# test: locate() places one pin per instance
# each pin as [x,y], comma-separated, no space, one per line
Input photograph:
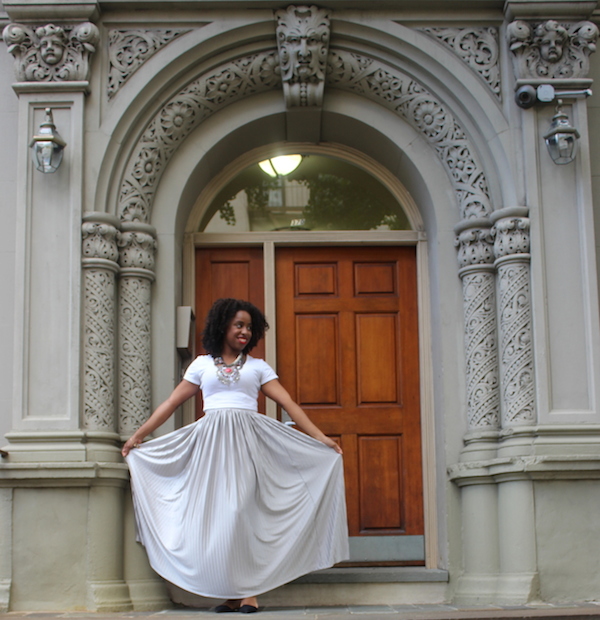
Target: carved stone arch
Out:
[250,75]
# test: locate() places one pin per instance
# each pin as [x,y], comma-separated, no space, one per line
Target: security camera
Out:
[526,96]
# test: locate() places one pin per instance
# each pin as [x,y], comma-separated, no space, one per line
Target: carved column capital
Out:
[51,53]
[137,247]
[99,241]
[550,49]
[475,243]
[303,46]
[511,232]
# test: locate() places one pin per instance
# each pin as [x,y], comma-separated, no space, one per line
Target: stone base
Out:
[149,595]
[474,590]
[518,589]
[4,595]
[109,596]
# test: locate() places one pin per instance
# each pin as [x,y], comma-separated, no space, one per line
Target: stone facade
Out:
[97,256]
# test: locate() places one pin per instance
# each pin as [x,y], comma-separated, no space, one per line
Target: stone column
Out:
[518,580]
[137,243]
[478,497]
[511,249]
[476,257]
[100,254]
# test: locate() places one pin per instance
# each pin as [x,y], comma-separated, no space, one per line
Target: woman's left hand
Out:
[332,444]
[274,390]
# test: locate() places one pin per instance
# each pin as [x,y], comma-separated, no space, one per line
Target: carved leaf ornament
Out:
[477,47]
[129,49]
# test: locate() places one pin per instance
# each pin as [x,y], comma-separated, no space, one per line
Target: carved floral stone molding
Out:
[51,53]
[303,42]
[175,121]
[550,49]
[477,47]
[130,49]
[409,99]
[260,73]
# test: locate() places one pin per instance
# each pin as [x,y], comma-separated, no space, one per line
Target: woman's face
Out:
[238,333]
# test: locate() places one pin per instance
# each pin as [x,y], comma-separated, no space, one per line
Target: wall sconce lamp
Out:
[561,139]
[47,146]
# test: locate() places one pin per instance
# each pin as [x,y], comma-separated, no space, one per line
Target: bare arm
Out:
[161,414]
[274,390]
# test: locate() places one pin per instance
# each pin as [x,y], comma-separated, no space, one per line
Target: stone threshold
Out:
[376,574]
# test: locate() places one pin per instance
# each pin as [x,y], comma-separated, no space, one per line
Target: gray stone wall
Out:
[8,198]
[593,104]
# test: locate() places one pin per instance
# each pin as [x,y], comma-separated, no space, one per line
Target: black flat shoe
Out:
[248,609]
[225,609]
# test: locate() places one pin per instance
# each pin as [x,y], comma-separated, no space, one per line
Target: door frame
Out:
[269,242]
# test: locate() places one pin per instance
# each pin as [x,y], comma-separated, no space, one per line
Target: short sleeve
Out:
[194,371]
[267,373]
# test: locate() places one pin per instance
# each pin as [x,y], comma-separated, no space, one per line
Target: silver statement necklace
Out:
[229,373]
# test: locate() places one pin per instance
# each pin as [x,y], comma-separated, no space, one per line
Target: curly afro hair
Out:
[219,318]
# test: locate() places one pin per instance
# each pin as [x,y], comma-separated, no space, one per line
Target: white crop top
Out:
[242,394]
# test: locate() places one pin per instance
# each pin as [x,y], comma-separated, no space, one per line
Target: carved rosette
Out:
[551,50]
[476,256]
[99,259]
[303,43]
[128,50]
[476,47]
[51,53]
[137,245]
[511,248]
[261,73]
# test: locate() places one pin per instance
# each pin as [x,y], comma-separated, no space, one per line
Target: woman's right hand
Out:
[128,446]
[161,414]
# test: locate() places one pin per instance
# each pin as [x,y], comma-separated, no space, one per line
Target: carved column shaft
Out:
[475,256]
[99,258]
[511,249]
[137,245]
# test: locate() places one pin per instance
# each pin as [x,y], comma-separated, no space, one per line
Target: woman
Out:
[237,503]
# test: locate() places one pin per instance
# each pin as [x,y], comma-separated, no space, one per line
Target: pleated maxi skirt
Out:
[237,504]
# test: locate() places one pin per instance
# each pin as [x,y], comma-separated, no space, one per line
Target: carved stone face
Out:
[52,44]
[551,39]
[303,35]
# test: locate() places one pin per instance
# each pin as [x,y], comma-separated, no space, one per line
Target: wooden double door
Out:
[347,351]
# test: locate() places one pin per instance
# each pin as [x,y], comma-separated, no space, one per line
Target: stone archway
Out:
[370,77]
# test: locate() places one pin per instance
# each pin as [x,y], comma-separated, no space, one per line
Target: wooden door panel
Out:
[317,366]
[228,272]
[379,464]
[375,278]
[315,279]
[377,359]
[348,353]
